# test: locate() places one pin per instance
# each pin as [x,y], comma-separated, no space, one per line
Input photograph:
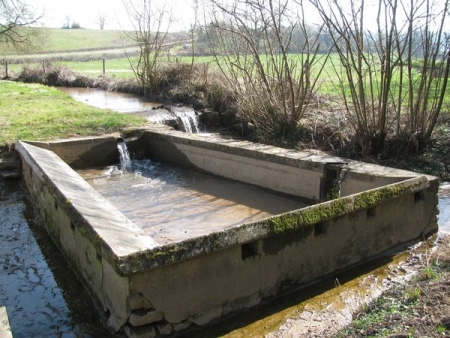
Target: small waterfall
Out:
[188,121]
[125,161]
[182,118]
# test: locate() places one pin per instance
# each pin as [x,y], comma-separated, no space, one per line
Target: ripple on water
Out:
[38,301]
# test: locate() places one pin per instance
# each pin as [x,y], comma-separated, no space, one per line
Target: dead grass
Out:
[419,308]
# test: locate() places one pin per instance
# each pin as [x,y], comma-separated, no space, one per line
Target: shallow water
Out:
[42,296]
[184,118]
[120,102]
[173,204]
[444,208]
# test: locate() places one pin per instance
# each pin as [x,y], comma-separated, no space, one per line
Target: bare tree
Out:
[150,27]
[272,76]
[16,24]
[102,20]
[427,74]
[66,24]
[387,72]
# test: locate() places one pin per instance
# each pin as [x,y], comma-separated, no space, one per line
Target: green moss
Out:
[138,261]
[369,198]
[83,231]
[307,216]
[340,206]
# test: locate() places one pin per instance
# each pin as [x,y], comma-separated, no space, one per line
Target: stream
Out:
[183,118]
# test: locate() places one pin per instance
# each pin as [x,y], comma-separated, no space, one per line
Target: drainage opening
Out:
[371,213]
[320,229]
[249,250]
[419,196]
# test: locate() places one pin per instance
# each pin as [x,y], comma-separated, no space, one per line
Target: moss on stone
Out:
[141,260]
[337,207]
[307,216]
[369,198]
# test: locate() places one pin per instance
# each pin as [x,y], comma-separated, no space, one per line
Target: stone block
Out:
[5,329]
[182,326]
[165,328]
[147,331]
[144,317]
[138,301]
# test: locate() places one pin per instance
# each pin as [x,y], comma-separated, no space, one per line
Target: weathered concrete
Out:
[152,289]
[5,329]
[84,152]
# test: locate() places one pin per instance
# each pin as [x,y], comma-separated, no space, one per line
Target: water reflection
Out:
[120,102]
[183,118]
[43,298]
[444,208]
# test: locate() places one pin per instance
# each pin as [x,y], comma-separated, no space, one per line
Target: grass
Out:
[63,40]
[36,112]
[419,308]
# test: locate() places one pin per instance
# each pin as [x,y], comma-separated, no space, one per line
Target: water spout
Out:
[124,155]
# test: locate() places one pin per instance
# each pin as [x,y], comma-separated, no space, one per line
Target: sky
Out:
[87,12]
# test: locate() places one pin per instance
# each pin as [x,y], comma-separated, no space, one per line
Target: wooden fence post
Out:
[6,68]
[104,66]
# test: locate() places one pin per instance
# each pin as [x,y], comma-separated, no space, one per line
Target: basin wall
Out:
[150,289]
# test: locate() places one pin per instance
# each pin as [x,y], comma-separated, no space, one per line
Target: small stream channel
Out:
[43,297]
[182,118]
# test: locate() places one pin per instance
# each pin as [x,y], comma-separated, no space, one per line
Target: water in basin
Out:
[173,204]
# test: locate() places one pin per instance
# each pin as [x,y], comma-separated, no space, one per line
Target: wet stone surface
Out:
[41,294]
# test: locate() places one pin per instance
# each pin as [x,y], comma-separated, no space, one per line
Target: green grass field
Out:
[69,42]
[37,112]
[58,40]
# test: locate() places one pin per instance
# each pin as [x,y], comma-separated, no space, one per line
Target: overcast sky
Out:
[86,12]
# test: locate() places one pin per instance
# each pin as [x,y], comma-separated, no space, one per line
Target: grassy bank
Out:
[36,112]
[420,308]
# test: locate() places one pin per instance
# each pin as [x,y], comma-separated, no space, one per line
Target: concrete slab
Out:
[5,329]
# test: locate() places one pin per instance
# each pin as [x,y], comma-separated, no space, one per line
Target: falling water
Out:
[188,121]
[125,161]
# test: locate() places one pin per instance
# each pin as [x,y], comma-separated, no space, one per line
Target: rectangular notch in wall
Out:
[419,196]
[371,213]
[249,250]
[320,229]
[329,184]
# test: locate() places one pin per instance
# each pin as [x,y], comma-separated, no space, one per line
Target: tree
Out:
[66,24]
[75,25]
[270,59]
[102,20]
[150,27]
[392,77]
[16,24]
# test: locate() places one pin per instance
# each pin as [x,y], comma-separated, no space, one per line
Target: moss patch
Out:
[307,216]
[340,206]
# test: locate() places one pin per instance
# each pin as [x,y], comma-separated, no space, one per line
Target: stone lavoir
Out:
[153,281]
